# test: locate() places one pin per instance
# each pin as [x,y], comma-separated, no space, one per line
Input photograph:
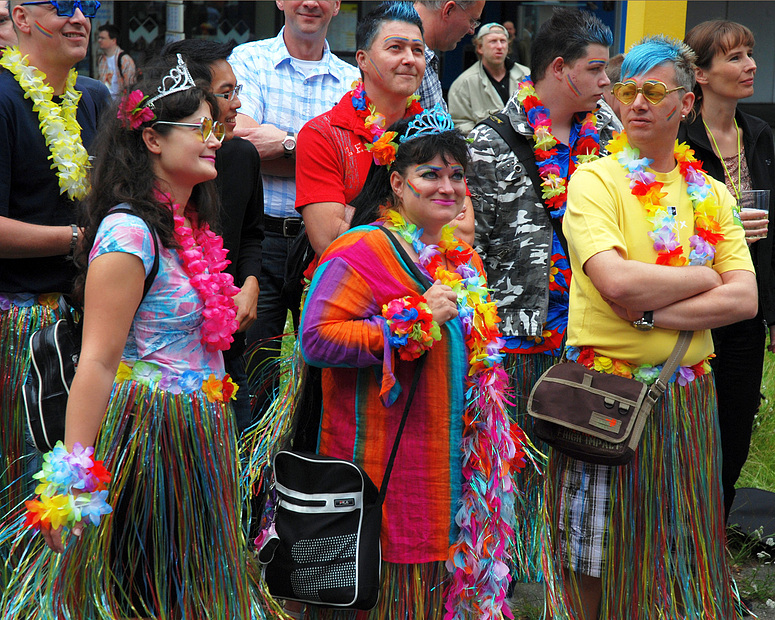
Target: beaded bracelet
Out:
[72,488]
[412,327]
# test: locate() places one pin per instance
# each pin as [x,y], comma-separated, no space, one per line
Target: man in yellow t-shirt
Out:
[643,270]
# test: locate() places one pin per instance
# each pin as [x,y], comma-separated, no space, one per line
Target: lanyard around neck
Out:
[739,187]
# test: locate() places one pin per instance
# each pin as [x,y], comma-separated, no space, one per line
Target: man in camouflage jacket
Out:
[527,269]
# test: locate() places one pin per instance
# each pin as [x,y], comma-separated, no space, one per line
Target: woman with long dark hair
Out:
[150,393]
[375,306]
[736,148]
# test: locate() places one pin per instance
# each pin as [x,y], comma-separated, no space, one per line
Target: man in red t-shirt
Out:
[331,156]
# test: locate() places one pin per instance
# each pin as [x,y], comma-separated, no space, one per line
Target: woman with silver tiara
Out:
[150,393]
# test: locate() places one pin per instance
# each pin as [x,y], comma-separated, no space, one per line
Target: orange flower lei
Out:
[491,446]
[648,190]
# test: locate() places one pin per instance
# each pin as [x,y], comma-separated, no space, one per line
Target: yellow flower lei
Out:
[58,123]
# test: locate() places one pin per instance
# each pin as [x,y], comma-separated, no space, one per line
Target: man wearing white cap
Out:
[485,87]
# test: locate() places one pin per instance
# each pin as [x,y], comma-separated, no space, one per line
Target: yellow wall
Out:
[654,17]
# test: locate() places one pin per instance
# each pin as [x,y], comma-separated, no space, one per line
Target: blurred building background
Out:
[146,25]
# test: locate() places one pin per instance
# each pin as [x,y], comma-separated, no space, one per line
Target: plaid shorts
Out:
[584,504]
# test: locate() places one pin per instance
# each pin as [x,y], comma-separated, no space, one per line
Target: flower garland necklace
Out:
[585,149]
[491,445]
[58,123]
[374,122]
[647,189]
[204,259]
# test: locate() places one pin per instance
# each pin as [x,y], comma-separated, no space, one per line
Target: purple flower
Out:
[664,239]
[93,505]
[684,375]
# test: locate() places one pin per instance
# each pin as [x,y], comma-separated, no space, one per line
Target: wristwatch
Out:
[646,322]
[289,144]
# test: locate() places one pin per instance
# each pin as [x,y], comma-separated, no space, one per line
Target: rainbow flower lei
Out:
[383,145]
[58,123]
[62,475]
[150,374]
[491,444]
[204,259]
[645,373]
[413,330]
[585,149]
[647,189]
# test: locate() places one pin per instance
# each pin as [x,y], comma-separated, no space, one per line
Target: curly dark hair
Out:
[376,192]
[123,171]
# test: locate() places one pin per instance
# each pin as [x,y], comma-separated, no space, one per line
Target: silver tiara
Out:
[429,122]
[177,80]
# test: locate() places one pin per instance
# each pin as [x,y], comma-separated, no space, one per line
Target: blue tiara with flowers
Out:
[429,122]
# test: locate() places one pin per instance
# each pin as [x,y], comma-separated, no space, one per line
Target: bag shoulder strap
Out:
[518,143]
[388,470]
[659,386]
[423,279]
[155,267]
[118,64]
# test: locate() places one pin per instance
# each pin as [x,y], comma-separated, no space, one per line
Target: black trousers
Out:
[737,368]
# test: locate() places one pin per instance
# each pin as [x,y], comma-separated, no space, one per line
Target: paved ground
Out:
[756,582]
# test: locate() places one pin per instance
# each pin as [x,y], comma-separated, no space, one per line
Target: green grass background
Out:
[759,469]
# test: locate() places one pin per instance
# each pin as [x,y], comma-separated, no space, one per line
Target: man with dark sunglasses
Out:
[42,179]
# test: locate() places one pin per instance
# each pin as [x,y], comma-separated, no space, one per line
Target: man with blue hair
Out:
[546,128]
[655,249]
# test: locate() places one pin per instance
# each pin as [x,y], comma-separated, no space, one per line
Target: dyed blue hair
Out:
[567,34]
[385,12]
[658,50]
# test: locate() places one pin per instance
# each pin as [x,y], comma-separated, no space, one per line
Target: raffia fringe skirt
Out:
[658,533]
[174,547]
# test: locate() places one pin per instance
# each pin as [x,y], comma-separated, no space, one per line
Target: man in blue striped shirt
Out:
[286,81]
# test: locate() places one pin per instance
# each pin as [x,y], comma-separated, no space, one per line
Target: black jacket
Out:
[242,216]
[760,156]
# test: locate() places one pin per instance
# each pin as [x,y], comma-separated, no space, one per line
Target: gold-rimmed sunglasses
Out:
[653,90]
[206,126]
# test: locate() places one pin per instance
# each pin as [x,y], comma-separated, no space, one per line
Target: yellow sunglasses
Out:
[206,127]
[653,90]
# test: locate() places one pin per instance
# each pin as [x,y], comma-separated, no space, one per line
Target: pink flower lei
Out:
[204,259]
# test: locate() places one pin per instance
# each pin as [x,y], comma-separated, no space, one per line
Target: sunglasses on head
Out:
[66,8]
[206,126]
[653,90]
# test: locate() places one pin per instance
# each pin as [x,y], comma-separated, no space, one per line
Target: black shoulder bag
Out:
[327,517]
[54,352]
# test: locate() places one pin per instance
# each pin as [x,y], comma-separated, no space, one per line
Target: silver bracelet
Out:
[73,241]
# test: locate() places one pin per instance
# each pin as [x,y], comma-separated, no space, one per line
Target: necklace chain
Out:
[739,187]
